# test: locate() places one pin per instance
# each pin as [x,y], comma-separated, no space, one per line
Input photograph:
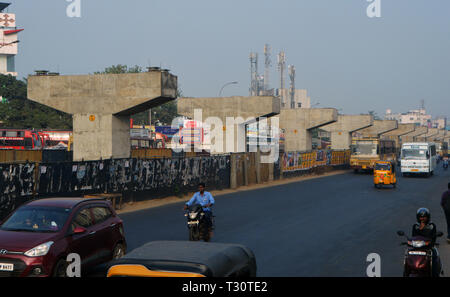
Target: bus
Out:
[367,151]
[418,158]
[20,139]
[53,138]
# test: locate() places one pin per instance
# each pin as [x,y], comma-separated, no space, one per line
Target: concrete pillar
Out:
[341,131]
[427,137]
[378,128]
[442,133]
[101,106]
[397,134]
[298,124]
[237,111]
[412,137]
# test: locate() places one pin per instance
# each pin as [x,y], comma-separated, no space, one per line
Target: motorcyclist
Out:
[206,200]
[425,228]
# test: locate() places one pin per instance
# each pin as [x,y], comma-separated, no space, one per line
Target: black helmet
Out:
[423,212]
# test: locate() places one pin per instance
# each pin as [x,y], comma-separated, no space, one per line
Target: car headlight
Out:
[418,243]
[193,215]
[40,250]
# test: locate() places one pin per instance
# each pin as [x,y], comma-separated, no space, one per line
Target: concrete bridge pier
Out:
[398,133]
[412,136]
[429,136]
[101,106]
[378,128]
[298,124]
[341,131]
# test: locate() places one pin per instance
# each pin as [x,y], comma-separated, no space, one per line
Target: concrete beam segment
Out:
[412,137]
[298,124]
[378,128]
[101,106]
[236,106]
[236,111]
[440,136]
[432,132]
[124,94]
[341,131]
[397,134]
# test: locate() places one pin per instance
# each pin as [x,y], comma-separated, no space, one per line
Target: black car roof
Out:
[208,259]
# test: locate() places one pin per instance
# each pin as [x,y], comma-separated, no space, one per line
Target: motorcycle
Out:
[197,224]
[418,256]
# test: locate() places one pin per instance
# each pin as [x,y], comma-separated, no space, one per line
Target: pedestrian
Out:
[445,203]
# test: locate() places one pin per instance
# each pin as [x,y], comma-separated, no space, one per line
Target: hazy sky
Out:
[343,58]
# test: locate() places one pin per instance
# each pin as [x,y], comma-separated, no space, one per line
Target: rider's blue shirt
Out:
[204,199]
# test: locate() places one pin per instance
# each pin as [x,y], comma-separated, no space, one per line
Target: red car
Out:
[36,239]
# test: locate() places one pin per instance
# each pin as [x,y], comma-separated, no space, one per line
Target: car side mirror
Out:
[400,233]
[439,234]
[79,230]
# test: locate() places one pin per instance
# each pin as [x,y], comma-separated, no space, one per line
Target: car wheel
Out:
[119,251]
[60,269]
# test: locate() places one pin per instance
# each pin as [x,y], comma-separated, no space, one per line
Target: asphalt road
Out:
[320,227]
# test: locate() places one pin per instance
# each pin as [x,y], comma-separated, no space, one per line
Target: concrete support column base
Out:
[101,136]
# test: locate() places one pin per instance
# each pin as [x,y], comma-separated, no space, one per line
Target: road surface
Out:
[319,227]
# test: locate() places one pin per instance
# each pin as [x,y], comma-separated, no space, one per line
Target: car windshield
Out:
[365,148]
[37,219]
[383,167]
[414,154]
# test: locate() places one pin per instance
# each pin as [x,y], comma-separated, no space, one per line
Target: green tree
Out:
[16,111]
[164,113]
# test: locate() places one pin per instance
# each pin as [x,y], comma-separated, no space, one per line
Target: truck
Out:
[366,151]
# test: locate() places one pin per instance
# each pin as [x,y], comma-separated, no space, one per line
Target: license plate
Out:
[6,267]
[364,167]
[193,223]
[418,253]
[415,170]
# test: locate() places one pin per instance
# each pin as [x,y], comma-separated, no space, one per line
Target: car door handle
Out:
[112,225]
[92,233]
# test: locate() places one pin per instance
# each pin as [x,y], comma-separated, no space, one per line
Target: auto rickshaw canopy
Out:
[182,259]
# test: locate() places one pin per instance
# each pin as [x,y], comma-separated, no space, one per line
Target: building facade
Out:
[8,41]
[417,116]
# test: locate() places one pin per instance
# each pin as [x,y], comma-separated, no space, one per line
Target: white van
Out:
[418,157]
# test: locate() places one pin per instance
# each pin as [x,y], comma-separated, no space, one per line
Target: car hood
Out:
[23,241]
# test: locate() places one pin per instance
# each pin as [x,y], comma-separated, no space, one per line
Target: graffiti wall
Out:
[20,182]
[16,181]
[133,175]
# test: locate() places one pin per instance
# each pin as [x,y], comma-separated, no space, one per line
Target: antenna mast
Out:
[291,70]
[282,69]
[254,74]
[267,63]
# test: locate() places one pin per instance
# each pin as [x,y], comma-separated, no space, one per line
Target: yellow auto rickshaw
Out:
[181,259]
[384,174]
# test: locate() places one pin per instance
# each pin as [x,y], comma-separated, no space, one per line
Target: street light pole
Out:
[227,84]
